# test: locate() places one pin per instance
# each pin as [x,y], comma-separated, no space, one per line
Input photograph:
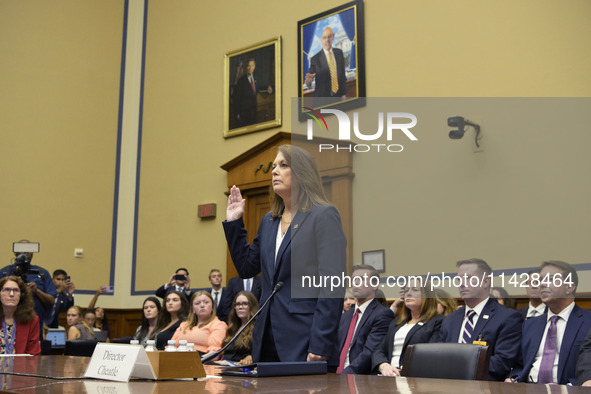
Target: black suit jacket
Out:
[584,360]
[499,327]
[319,66]
[222,311]
[162,292]
[422,332]
[370,331]
[245,101]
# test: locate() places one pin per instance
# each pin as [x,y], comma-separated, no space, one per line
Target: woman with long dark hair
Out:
[243,309]
[174,312]
[150,311]
[20,324]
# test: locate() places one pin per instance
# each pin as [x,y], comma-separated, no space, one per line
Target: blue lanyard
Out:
[9,344]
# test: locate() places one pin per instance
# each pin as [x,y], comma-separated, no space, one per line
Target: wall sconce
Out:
[460,123]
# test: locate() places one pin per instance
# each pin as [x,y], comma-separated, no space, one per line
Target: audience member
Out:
[179,281]
[37,280]
[82,329]
[502,297]
[222,300]
[147,330]
[363,326]
[65,296]
[398,302]
[483,320]
[349,300]
[101,323]
[446,304]
[292,329]
[174,312]
[419,322]
[202,327]
[244,307]
[535,307]
[235,286]
[73,316]
[381,298]
[20,325]
[551,342]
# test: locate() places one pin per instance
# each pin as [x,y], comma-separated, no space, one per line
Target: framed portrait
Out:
[375,258]
[331,60]
[252,88]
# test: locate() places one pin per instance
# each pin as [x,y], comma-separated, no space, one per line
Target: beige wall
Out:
[413,49]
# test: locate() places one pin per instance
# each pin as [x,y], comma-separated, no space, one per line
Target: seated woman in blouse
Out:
[418,323]
[243,309]
[174,312]
[20,324]
[202,327]
[147,330]
[79,327]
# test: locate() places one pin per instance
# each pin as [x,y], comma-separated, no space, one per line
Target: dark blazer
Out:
[222,311]
[319,66]
[584,360]
[524,310]
[501,332]
[27,338]
[422,332]
[314,245]
[577,326]
[162,292]
[370,331]
[63,302]
[245,101]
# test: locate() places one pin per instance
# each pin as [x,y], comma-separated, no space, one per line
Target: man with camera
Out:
[65,296]
[179,281]
[36,278]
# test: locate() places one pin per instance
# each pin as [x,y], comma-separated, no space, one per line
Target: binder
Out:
[264,369]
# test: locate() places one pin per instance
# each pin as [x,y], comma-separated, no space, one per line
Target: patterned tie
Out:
[533,313]
[348,341]
[215,298]
[334,82]
[547,364]
[469,327]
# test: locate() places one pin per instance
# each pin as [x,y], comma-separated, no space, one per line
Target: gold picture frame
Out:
[252,104]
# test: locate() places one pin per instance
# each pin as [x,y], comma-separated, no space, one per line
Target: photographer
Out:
[64,299]
[179,281]
[37,279]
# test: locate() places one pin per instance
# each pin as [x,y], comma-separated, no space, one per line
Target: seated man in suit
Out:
[535,307]
[179,281]
[551,342]
[483,320]
[363,326]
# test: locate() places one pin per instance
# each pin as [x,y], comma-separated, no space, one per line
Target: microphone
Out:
[210,356]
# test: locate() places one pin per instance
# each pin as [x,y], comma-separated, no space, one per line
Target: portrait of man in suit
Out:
[328,68]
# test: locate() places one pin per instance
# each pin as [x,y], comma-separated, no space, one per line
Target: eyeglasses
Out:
[239,304]
[8,291]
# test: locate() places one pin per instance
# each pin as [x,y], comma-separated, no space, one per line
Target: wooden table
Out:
[69,366]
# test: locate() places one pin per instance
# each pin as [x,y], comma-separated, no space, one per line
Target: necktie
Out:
[533,313]
[247,284]
[334,82]
[215,298]
[347,345]
[252,84]
[469,327]
[547,364]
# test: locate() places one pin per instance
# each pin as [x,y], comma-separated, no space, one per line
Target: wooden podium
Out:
[176,365]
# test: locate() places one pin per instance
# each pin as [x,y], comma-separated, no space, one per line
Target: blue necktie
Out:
[469,327]
[247,284]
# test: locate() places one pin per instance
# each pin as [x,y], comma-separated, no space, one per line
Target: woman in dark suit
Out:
[20,325]
[303,232]
[418,323]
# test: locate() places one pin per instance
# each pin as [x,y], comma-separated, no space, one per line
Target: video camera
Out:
[22,262]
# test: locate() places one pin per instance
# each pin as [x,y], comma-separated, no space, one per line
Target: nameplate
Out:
[118,362]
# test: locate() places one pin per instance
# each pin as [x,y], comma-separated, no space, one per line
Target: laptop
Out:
[57,337]
[101,336]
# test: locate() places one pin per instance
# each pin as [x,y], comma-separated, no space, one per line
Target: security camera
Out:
[460,123]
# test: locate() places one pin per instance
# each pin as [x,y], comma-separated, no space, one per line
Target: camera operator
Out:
[179,281]
[64,299]
[37,280]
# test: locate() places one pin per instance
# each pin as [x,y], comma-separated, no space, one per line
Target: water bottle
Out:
[182,346]
[150,345]
[134,342]
[191,347]
[171,347]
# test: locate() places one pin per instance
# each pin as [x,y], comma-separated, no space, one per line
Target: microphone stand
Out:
[210,356]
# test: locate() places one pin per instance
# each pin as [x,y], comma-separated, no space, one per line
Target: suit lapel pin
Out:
[485,317]
[420,323]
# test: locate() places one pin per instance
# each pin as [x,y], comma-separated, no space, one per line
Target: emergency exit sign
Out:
[206,211]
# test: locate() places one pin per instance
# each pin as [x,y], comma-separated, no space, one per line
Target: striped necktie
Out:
[469,327]
[334,82]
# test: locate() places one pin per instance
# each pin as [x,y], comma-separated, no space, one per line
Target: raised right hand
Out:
[236,203]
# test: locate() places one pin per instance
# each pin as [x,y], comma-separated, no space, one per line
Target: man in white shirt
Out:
[535,307]
[551,342]
[483,321]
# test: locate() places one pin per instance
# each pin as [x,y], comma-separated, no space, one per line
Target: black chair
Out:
[122,340]
[80,347]
[446,361]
